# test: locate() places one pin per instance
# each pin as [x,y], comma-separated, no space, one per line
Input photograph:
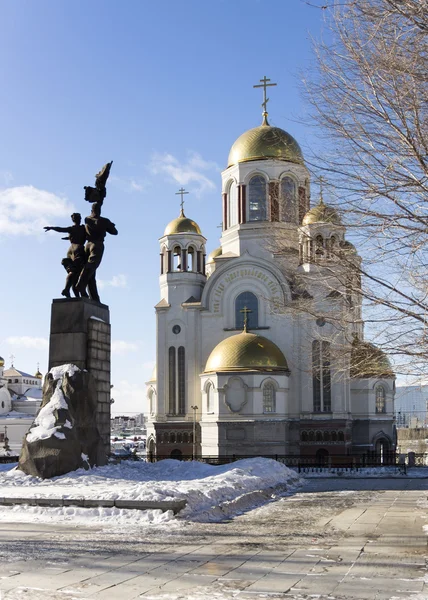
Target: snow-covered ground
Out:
[212,492]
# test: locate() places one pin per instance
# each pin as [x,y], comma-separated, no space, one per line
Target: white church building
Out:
[260,347]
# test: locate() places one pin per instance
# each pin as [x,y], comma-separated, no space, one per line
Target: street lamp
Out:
[194,408]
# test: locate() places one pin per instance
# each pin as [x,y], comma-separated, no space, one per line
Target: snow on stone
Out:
[212,492]
[44,424]
[61,370]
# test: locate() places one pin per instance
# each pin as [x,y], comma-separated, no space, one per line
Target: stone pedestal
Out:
[80,334]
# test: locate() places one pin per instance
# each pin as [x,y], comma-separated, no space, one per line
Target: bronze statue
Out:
[83,261]
[75,260]
[97,228]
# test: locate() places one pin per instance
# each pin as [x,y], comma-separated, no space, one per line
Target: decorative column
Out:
[224,212]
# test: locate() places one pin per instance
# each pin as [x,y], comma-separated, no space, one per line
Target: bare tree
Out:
[369,94]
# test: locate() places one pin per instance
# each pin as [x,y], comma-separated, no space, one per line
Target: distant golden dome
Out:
[182,225]
[321,213]
[217,252]
[1,361]
[265,142]
[246,352]
[368,361]
[38,375]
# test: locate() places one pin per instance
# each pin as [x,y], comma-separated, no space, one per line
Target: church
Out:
[260,346]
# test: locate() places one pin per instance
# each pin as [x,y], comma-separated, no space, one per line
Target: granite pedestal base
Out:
[80,334]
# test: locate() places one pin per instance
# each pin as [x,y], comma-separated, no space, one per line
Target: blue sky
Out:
[161,88]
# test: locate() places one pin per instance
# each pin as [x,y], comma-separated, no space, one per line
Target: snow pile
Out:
[44,424]
[212,492]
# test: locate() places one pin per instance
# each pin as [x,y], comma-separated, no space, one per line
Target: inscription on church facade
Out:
[232,276]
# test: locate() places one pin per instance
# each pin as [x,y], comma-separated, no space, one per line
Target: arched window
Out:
[321,376]
[311,436]
[179,438]
[257,200]
[288,200]
[269,398]
[319,246]
[380,399]
[151,402]
[181,381]
[232,217]
[191,259]
[319,436]
[172,380]
[304,436]
[334,436]
[172,438]
[177,258]
[185,438]
[326,436]
[209,399]
[341,436]
[249,300]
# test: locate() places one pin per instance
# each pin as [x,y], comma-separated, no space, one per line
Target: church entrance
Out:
[322,457]
[383,451]
[176,454]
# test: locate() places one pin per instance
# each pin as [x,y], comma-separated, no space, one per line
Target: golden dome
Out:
[246,352]
[217,252]
[265,142]
[1,361]
[321,213]
[182,225]
[154,374]
[38,375]
[368,361]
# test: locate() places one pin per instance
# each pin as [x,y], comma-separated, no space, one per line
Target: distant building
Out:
[20,399]
[411,404]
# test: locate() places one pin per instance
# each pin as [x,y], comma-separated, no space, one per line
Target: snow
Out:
[97,319]
[60,371]
[213,493]
[367,473]
[44,424]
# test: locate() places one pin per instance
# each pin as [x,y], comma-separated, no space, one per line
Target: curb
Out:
[175,506]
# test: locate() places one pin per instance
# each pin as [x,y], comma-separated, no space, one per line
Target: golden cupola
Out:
[182,225]
[322,213]
[1,361]
[246,352]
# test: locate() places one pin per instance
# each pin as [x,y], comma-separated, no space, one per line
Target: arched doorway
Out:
[322,457]
[176,454]
[383,451]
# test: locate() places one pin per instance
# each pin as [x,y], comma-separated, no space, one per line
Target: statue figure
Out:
[99,192]
[96,228]
[76,257]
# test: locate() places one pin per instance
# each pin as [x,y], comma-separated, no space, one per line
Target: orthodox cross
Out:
[12,358]
[246,312]
[264,84]
[182,192]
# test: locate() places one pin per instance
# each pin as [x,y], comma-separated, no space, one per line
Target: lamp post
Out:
[194,408]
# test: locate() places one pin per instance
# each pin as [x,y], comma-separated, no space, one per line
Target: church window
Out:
[334,436]
[257,199]
[232,218]
[380,399]
[288,200]
[321,376]
[319,246]
[2,404]
[319,436]
[248,300]
[311,436]
[179,438]
[151,402]
[185,438]
[326,436]
[172,380]
[181,381]
[304,436]
[172,438]
[269,398]
[341,436]
[177,258]
[209,399]
[191,259]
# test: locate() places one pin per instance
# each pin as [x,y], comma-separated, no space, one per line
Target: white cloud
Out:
[117,281]
[25,210]
[128,397]
[122,347]
[191,171]
[130,184]
[28,342]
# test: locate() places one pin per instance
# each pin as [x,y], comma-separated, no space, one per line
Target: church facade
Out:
[260,345]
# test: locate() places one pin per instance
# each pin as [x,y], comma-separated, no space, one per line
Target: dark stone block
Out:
[55,456]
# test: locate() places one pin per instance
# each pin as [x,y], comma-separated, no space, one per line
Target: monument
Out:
[80,337]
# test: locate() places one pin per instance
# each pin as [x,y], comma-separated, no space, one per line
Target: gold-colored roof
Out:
[38,375]
[246,352]
[321,213]
[154,374]
[265,142]
[182,225]
[368,361]
[1,361]
[217,252]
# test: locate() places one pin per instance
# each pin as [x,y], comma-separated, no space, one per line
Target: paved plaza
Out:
[333,538]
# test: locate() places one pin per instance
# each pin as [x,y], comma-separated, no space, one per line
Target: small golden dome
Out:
[246,352]
[368,361]
[1,361]
[321,213]
[38,375]
[182,225]
[217,252]
[265,142]
[154,374]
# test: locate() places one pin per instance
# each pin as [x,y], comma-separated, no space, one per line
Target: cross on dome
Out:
[246,312]
[12,358]
[181,192]
[264,84]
